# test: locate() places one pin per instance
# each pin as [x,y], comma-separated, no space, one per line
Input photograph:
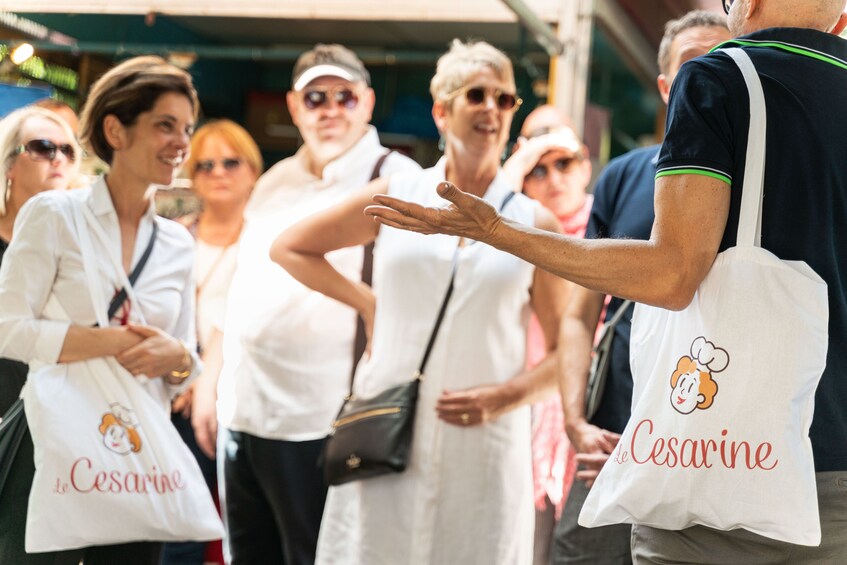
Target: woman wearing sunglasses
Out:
[138,119]
[39,153]
[223,166]
[467,495]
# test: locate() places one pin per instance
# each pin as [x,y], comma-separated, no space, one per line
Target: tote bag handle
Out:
[750,219]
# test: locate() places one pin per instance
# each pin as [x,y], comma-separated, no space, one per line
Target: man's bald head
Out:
[545,119]
[747,16]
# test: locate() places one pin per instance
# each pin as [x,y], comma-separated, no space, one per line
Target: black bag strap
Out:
[610,325]
[446,300]
[438,320]
[361,339]
[120,298]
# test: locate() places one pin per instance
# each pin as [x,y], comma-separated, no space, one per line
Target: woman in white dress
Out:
[467,494]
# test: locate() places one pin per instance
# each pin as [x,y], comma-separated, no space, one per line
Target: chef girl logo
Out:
[119,430]
[692,382]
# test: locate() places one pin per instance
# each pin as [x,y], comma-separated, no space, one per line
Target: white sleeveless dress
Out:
[467,496]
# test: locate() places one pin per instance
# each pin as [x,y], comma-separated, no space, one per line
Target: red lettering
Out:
[760,459]
[100,482]
[635,436]
[178,482]
[704,447]
[75,476]
[85,479]
[673,451]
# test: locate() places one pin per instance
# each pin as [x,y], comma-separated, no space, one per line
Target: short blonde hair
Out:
[234,135]
[126,91]
[464,60]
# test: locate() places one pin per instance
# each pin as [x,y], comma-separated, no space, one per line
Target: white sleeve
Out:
[29,269]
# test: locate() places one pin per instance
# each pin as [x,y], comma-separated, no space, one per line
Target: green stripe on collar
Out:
[692,171]
[790,47]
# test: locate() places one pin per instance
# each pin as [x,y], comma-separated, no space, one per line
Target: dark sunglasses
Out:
[727,4]
[475,95]
[316,97]
[44,149]
[540,172]
[208,165]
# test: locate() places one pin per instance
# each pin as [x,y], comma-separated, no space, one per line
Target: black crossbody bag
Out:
[373,436]
[599,371]
[13,426]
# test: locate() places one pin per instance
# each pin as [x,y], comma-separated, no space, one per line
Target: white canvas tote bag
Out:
[724,390]
[110,467]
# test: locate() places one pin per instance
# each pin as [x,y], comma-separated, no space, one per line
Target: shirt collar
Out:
[101,200]
[799,41]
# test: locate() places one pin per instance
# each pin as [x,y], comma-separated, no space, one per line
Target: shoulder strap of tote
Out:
[86,222]
[750,219]
[120,298]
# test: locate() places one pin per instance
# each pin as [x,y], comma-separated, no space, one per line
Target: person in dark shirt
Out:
[623,208]
[803,70]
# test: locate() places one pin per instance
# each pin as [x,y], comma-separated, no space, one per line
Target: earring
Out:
[442,143]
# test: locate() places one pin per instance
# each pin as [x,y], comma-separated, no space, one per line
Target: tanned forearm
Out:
[83,343]
[576,340]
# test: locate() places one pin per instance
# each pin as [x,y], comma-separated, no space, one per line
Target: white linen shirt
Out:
[43,287]
[287,349]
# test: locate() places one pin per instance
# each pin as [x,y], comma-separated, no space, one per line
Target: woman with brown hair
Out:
[138,119]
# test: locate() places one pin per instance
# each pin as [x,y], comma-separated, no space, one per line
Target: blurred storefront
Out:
[595,58]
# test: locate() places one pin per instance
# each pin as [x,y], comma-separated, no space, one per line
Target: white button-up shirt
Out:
[288,350]
[43,287]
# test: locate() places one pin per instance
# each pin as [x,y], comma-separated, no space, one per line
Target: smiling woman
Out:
[467,494]
[138,119]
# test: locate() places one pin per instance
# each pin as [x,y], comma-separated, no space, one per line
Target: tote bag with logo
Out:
[110,467]
[724,390]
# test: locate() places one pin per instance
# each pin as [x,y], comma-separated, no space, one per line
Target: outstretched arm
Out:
[691,214]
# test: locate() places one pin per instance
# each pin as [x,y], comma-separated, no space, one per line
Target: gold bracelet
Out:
[186,362]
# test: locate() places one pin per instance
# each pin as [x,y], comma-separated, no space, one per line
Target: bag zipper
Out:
[366,414]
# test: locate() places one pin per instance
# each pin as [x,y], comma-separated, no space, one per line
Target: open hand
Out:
[466,216]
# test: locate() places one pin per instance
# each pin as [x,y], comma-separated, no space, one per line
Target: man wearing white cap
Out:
[288,351]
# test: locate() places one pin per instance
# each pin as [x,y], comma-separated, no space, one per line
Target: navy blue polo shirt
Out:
[623,208]
[804,77]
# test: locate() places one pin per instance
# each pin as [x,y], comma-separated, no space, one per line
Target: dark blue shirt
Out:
[623,208]
[804,77]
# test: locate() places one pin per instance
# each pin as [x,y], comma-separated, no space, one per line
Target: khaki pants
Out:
[705,546]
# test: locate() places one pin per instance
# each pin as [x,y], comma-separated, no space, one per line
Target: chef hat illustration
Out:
[124,414]
[709,357]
